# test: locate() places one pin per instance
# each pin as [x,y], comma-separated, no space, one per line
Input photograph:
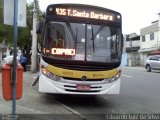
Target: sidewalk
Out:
[134,67]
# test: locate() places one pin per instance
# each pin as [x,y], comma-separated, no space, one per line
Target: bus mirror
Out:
[39,27]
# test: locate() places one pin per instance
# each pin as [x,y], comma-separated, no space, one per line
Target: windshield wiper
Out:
[98,31]
[76,39]
[93,40]
[74,36]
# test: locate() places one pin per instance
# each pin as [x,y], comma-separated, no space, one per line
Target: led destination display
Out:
[84,12]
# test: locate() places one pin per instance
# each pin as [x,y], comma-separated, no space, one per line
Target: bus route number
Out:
[60,11]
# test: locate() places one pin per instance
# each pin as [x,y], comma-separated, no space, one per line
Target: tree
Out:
[1,11]
[25,37]
[24,34]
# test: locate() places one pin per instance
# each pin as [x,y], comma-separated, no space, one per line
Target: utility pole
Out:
[14,71]
[34,40]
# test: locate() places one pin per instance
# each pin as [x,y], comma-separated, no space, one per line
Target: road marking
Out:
[121,110]
[127,76]
[116,109]
[73,111]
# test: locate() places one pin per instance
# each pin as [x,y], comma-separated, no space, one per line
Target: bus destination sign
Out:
[83,13]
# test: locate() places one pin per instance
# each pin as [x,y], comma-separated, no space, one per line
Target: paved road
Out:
[140,93]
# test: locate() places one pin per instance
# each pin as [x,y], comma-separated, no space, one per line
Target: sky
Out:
[136,14]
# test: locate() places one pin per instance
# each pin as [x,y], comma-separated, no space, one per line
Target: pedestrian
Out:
[23,61]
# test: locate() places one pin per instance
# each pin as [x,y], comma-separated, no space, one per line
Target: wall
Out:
[124,59]
[143,58]
[148,44]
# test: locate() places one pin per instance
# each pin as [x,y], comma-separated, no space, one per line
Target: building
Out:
[131,45]
[149,40]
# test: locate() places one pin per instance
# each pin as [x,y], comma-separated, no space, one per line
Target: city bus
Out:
[81,50]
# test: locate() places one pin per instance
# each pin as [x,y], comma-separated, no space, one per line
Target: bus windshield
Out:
[82,42]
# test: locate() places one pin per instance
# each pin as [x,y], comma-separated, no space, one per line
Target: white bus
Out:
[81,51]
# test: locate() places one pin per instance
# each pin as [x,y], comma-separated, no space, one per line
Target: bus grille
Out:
[82,91]
[78,79]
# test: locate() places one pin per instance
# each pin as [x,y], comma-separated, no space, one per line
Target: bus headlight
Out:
[114,78]
[49,74]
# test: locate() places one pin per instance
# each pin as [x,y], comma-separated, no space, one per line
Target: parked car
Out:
[152,63]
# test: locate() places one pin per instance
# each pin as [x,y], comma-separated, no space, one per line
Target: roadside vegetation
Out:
[24,41]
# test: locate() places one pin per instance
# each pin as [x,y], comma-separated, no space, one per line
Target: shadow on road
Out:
[80,100]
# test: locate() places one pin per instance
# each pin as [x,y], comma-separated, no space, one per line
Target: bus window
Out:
[55,36]
[98,47]
[59,40]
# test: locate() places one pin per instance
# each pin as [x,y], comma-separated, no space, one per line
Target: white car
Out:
[152,63]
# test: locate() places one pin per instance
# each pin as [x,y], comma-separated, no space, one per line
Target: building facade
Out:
[130,49]
[149,41]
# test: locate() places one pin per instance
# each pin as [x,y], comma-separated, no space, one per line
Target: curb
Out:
[137,68]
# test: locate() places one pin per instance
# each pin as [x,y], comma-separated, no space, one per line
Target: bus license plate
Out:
[83,87]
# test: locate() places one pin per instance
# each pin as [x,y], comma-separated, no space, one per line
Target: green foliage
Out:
[1,11]
[24,33]
[6,32]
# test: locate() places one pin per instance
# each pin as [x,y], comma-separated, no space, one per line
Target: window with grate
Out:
[143,39]
[151,36]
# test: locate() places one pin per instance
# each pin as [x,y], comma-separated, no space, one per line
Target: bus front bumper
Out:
[63,86]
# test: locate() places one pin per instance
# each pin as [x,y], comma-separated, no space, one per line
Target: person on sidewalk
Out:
[23,61]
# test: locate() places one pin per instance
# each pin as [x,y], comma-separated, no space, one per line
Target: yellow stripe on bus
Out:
[79,74]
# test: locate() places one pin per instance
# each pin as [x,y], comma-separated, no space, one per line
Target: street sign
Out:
[9,12]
